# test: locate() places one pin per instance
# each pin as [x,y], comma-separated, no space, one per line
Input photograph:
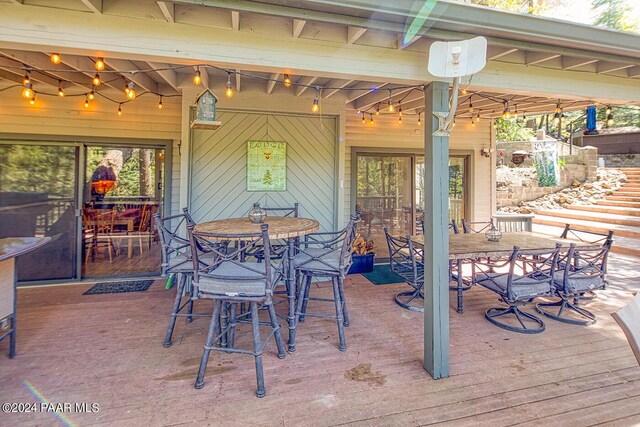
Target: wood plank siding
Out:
[388,134]
[219,166]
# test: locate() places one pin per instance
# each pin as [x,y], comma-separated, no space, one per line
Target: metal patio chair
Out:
[580,270]
[628,318]
[477,226]
[325,255]
[227,279]
[525,276]
[292,212]
[176,261]
[404,261]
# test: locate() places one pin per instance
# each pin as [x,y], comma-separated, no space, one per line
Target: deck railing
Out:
[510,223]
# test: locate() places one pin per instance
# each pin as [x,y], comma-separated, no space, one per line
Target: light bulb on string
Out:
[390,102]
[371,119]
[86,101]
[515,113]
[470,106]
[91,95]
[160,103]
[119,109]
[478,117]
[454,123]
[131,94]
[524,115]
[473,123]
[32,101]
[96,80]
[378,109]
[287,80]
[27,92]
[55,58]
[399,119]
[229,91]
[608,110]
[60,91]
[556,118]
[400,109]
[419,119]
[99,64]
[463,91]
[316,105]
[27,79]
[363,119]
[197,77]
[557,107]
[506,114]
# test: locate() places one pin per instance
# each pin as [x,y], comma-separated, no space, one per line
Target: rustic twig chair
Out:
[325,255]
[580,270]
[404,261]
[525,276]
[228,280]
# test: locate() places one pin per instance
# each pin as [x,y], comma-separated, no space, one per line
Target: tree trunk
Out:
[146,187]
[108,169]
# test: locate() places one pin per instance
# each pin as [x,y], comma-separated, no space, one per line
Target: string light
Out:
[86,102]
[160,103]
[473,124]
[363,119]
[27,92]
[470,105]
[229,91]
[378,109]
[399,119]
[99,64]
[556,115]
[55,58]
[506,114]
[419,119]
[454,123]
[92,95]
[399,109]
[120,109]
[463,91]
[316,105]
[60,91]
[287,80]
[131,93]
[478,117]
[558,107]
[515,113]
[390,102]
[27,79]
[96,80]
[32,101]
[608,110]
[524,115]
[371,119]
[197,78]
[609,119]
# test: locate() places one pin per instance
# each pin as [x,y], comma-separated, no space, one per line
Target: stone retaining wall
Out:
[621,160]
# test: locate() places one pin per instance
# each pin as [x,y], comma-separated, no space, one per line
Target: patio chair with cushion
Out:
[290,212]
[406,261]
[325,255]
[628,318]
[176,261]
[579,271]
[525,276]
[224,277]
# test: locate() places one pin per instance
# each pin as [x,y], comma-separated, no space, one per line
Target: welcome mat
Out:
[382,275]
[119,287]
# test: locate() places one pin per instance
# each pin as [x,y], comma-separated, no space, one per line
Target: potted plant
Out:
[362,256]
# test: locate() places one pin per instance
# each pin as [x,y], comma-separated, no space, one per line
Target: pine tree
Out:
[615,15]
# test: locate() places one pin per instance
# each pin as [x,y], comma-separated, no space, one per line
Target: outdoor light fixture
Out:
[92,95]
[473,124]
[55,58]
[131,93]
[160,103]
[99,64]
[96,80]
[419,119]
[86,101]
[27,92]
[33,99]
[229,91]
[400,109]
[119,109]
[478,117]
[316,105]
[363,119]
[390,104]
[378,109]
[470,106]
[400,120]
[60,91]
[27,79]
[287,80]
[197,78]
[371,119]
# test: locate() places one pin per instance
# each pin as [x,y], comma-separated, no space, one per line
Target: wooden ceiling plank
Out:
[272,82]
[168,9]
[83,63]
[337,84]
[235,20]
[304,81]
[298,26]
[168,75]
[140,79]
[381,96]
[496,52]
[533,58]
[238,80]
[94,6]
[354,33]
[39,60]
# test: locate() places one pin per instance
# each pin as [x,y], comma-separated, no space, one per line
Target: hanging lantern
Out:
[206,111]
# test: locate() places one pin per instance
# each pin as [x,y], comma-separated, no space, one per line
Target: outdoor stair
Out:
[619,212]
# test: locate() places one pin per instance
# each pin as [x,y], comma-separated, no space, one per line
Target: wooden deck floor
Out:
[108,349]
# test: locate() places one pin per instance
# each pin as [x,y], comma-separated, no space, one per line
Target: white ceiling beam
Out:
[272,82]
[168,9]
[10,76]
[337,84]
[140,79]
[610,67]
[380,96]
[94,6]
[361,89]
[533,58]
[235,20]
[496,52]
[354,33]
[402,45]
[167,74]
[304,81]
[298,26]
[42,61]
[569,63]
[238,80]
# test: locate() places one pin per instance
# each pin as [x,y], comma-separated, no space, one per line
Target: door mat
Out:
[119,287]
[382,275]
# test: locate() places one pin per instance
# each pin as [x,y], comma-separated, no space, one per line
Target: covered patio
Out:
[75,348]
[280,61]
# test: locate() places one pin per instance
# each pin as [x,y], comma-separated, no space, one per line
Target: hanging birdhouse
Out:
[206,112]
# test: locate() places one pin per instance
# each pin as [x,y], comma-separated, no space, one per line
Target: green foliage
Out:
[128,183]
[533,7]
[562,163]
[513,130]
[615,15]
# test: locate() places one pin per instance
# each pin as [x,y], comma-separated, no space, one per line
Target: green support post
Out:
[436,235]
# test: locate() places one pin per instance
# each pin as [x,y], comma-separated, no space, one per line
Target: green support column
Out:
[436,235]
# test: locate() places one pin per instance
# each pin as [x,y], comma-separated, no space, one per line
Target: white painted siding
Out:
[386,133]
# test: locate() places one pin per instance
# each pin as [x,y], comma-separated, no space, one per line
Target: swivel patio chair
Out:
[278,244]
[477,226]
[228,280]
[325,255]
[404,261]
[176,261]
[525,276]
[580,270]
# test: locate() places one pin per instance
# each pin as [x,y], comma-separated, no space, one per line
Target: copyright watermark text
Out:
[62,407]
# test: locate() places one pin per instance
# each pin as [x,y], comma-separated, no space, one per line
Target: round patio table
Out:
[280,227]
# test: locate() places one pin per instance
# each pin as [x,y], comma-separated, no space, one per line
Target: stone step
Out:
[606,218]
[608,202]
[619,230]
[622,245]
[606,209]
